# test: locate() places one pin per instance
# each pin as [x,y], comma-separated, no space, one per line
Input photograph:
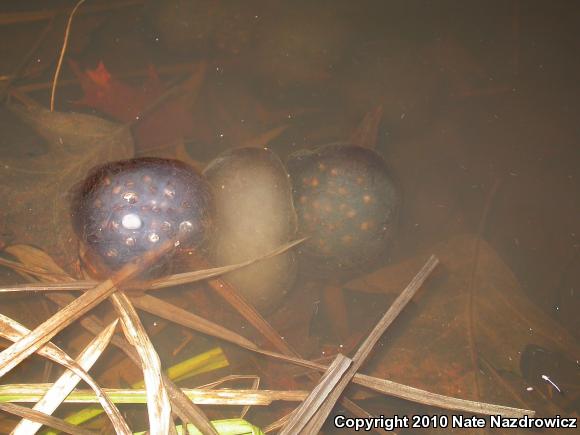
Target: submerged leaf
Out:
[433,351]
[36,191]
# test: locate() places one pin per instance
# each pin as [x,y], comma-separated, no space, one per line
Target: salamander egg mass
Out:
[123,209]
[347,205]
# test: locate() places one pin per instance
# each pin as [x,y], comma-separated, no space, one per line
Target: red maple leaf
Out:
[167,124]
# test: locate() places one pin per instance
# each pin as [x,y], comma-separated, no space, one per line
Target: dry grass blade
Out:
[316,398]
[26,271]
[248,312]
[200,275]
[31,393]
[159,409]
[14,331]
[183,317]
[34,260]
[69,380]
[416,395]
[16,353]
[167,281]
[45,287]
[182,406]
[382,386]
[366,347]
[47,420]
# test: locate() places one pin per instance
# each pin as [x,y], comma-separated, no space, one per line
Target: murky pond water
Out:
[463,117]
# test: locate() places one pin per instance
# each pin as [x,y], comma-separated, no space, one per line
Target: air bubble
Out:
[131,221]
[130,197]
[153,237]
[185,226]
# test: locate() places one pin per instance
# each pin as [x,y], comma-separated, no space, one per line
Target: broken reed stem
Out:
[62,52]
[31,393]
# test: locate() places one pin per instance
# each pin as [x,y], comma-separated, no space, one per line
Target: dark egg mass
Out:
[346,203]
[126,208]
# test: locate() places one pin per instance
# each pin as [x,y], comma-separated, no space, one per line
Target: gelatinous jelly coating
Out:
[254,214]
[125,208]
[346,203]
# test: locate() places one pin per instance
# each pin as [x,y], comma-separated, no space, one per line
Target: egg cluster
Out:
[340,197]
[346,204]
[124,209]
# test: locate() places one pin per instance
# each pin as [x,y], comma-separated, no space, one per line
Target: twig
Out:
[62,52]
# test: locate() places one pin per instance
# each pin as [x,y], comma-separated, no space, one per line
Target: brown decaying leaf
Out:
[14,331]
[506,322]
[60,389]
[42,418]
[35,191]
